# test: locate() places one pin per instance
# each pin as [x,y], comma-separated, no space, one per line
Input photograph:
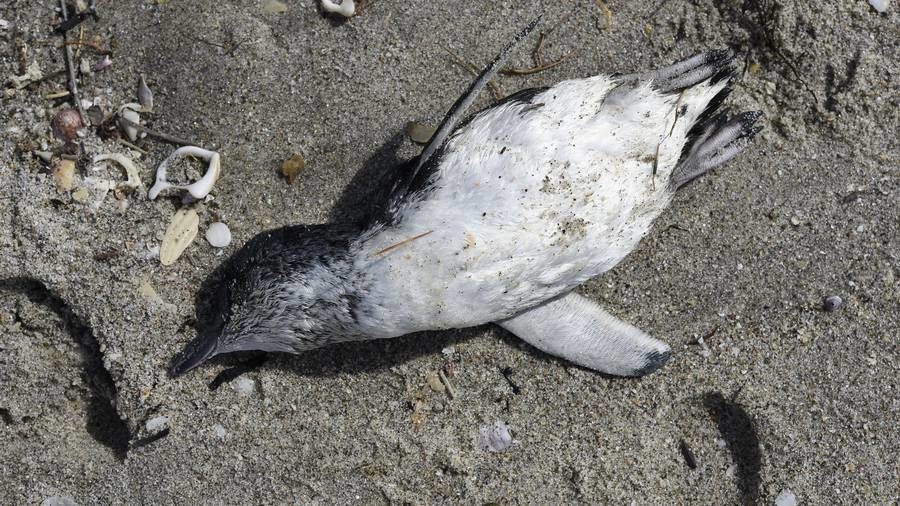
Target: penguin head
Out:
[286,290]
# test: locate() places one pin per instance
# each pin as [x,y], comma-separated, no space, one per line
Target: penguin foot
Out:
[578,330]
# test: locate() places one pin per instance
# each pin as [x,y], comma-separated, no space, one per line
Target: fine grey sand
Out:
[779,395]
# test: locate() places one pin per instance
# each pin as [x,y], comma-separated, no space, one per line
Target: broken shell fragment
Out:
[199,188]
[32,74]
[103,64]
[494,438]
[66,124]
[179,235]
[144,95]
[345,8]
[45,156]
[131,169]
[419,132]
[218,235]
[292,166]
[63,174]
[129,112]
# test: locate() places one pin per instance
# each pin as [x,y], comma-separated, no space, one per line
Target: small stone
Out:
[244,386]
[832,303]
[218,235]
[219,431]
[449,351]
[66,124]
[795,221]
[292,166]
[786,498]
[732,469]
[494,438]
[156,424]
[59,500]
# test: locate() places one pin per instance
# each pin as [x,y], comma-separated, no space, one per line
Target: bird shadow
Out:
[736,426]
[365,197]
[102,422]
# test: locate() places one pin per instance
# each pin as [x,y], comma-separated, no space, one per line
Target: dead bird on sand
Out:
[501,216]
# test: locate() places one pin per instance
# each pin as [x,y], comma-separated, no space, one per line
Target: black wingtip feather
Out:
[710,116]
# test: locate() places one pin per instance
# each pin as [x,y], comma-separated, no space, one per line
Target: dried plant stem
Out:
[496,91]
[70,67]
[535,69]
[156,135]
[401,243]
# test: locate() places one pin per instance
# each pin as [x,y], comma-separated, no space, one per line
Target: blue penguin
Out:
[502,215]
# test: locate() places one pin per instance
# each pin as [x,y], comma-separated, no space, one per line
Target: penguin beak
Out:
[196,353]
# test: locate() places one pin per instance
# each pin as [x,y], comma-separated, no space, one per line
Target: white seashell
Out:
[218,235]
[494,438]
[346,8]
[199,188]
[181,232]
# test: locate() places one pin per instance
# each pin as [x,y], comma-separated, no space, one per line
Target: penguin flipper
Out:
[578,330]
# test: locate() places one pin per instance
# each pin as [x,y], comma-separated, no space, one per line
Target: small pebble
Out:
[786,498]
[292,166]
[103,63]
[244,386]
[494,438]
[730,472]
[81,195]
[220,431]
[218,235]
[832,303]
[156,424]
[59,500]
[65,124]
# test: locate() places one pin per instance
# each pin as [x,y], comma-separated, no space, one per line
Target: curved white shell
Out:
[199,188]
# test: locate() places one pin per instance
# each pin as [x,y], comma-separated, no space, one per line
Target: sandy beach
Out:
[766,391]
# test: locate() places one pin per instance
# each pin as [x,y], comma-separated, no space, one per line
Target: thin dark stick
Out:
[533,70]
[155,134]
[70,67]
